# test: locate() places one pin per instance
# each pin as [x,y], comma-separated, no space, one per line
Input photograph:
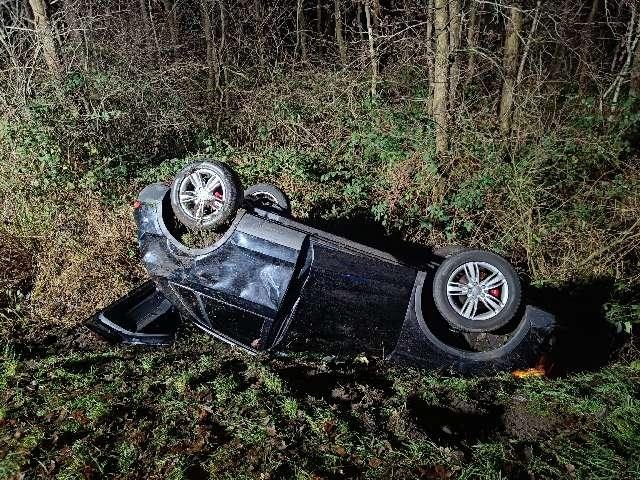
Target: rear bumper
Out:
[142,317]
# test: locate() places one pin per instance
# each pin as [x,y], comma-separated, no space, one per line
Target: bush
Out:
[561,203]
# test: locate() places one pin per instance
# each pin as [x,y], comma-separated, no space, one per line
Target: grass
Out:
[66,414]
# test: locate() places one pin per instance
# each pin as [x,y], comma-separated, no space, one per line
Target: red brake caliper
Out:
[495,292]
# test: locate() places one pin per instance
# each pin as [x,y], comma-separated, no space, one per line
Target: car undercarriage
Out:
[272,284]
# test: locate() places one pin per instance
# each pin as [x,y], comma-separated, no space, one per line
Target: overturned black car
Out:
[270,283]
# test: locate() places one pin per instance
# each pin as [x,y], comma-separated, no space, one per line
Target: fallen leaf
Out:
[328,426]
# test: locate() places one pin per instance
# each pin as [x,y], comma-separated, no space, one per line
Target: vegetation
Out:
[201,410]
[511,126]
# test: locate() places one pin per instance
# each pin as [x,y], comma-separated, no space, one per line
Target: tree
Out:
[527,45]
[342,48]
[587,37]
[71,19]
[372,49]
[376,12]
[261,41]
[45,36]
[301,34]
[441,74]
[144,13]
[632,43]
[430,54]
[213,77]
[634,89]
[171,20]
[473,32]
[359,19]
[455,30]
[510,67]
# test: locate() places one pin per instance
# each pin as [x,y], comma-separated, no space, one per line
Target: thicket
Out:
[507,125]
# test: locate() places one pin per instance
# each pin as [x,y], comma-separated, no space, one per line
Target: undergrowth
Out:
[560,199]
[560,203]
[202,410]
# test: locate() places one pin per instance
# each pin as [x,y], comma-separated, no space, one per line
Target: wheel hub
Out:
[203,196]
[477,290]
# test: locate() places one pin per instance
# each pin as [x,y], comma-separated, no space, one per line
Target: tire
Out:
[476,308]
[208,209]
[269,197]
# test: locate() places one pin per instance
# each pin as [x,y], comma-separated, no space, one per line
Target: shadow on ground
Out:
[584,340]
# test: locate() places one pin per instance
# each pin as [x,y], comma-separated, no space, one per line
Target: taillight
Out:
[137,204]
[542,369]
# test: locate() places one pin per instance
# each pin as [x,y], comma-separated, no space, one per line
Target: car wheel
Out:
[268,196]
[205,195]
[476,291]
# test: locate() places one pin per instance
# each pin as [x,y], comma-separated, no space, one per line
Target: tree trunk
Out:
[152,25]
[148,29]
[376,13]
[372,50]
[473,32]
[74,30]
[510,67]
[301,34]
[318,16]
[171,20]
[221,57]
[359,20]
[588,32]
[262,42]
[633,42]
[45,36]
[212,54]
[223,31]
[71,19]
[144,13]
[441,72]
[430,55]
[429,38]
[527,46]
[634,89]
[342,48]
[558,62]
[454,42]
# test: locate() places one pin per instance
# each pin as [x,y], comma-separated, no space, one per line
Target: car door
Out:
[237,290]
[350,302]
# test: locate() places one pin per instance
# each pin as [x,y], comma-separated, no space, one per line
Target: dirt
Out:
[522,424]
